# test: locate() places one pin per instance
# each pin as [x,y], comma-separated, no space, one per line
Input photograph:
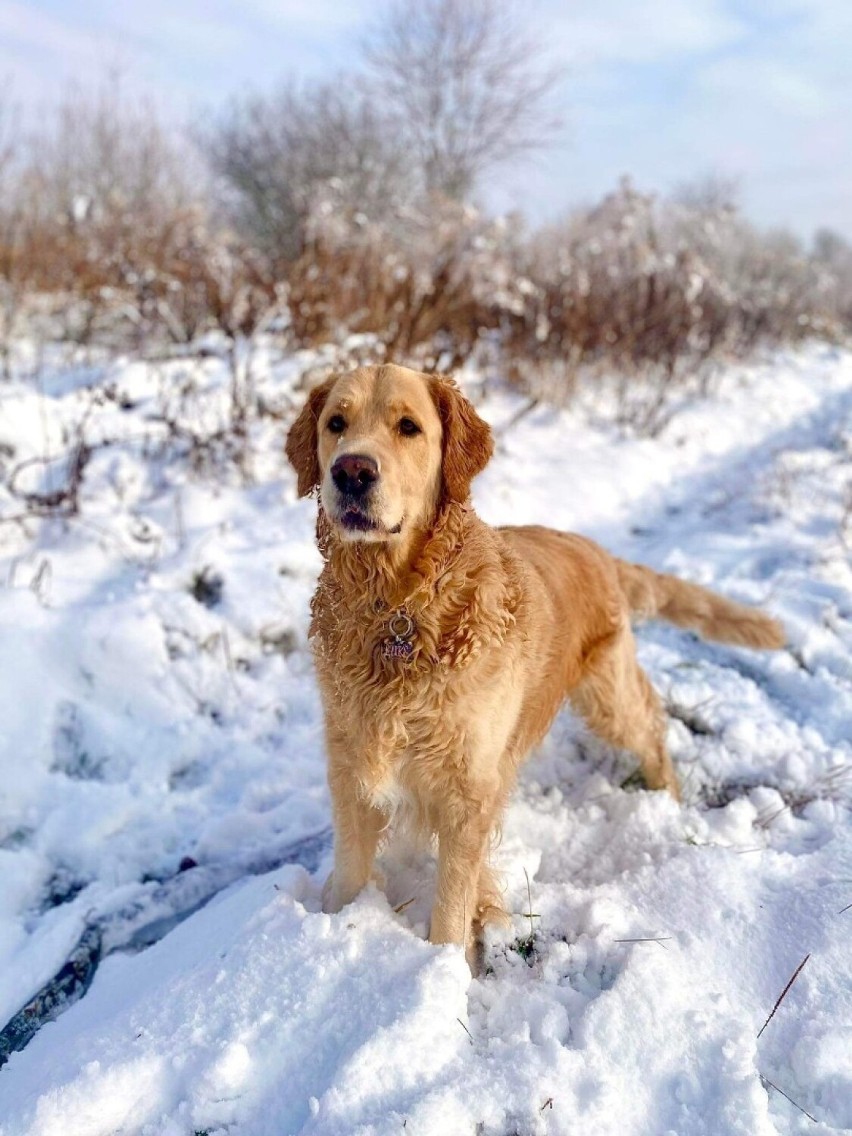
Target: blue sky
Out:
[664,90]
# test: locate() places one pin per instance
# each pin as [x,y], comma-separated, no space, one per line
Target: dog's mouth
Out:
[354,520]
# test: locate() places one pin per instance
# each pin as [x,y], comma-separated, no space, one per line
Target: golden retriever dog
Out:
[445,647]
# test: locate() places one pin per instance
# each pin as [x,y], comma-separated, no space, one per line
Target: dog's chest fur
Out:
[399,724]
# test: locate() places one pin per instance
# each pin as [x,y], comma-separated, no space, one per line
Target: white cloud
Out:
[34,45]
[623,31]
[328,16]
[22,25]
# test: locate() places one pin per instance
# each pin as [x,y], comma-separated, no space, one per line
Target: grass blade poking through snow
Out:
[783,993]
[772,1085]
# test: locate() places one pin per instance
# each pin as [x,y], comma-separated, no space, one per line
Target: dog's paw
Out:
[331,900]
[335,898]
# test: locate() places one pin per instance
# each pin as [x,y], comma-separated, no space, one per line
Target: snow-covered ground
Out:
[160,744]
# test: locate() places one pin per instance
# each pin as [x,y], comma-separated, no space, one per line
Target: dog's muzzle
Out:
[354,476]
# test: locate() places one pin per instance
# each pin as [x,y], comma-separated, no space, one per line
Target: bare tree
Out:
[276,153]
[105,151]
[710,193]
[831,248]
[467,83]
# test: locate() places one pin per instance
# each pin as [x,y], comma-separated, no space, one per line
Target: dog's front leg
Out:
[357,828]
[462,847]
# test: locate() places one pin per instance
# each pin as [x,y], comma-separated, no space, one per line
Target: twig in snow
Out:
[783,994]
[526,945]
[690,716]
[661,939]
[530,914]
[466,1030]
[766,819]
[843,910]
[402,906]
[765,1081]
[40,584]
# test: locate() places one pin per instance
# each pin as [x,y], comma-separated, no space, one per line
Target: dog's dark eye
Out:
[336,424]
[408,427]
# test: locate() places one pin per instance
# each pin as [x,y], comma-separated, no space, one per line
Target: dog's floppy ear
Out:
[467,444]
[301,445]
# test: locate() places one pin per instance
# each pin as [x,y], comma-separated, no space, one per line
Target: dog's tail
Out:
[654,595]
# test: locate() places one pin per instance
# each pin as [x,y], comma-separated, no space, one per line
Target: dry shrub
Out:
[103,221]
[424,288]
[17,276]
[110,236]
[645,296]
[191,276]
[128,281]
[651,293]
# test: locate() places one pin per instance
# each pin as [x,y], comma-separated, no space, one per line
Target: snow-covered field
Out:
[161,744]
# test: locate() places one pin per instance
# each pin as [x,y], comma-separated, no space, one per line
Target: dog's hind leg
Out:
[618,703]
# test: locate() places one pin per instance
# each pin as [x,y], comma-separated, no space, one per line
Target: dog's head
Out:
[386,446]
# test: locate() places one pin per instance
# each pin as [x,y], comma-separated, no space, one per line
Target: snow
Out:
[206,1029]
[142,729]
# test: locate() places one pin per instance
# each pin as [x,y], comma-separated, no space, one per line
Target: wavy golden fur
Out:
[506,624]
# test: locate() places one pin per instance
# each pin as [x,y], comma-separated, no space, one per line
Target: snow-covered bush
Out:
[108,235]
[112,235]
[652,291]
[427,285]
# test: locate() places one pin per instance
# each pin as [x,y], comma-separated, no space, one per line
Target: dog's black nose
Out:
[353,474]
